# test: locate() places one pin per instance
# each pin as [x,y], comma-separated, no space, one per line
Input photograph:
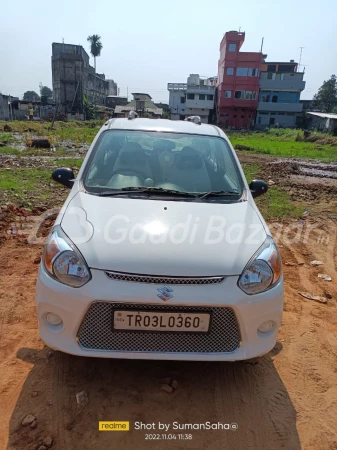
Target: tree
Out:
[326,98]
[45,91]
[303,120]
[90,110]
[30,96]
[95,46]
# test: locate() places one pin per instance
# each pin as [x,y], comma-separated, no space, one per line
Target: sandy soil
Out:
[287,401]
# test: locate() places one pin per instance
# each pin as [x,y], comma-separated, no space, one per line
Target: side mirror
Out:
[64,175]
[258,187]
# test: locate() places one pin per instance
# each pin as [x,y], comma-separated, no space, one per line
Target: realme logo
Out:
[113,426]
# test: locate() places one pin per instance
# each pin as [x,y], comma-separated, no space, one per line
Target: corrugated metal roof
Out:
[120,109]
[324,115]
[141,93]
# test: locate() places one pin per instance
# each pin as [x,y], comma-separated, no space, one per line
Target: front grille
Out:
[96,331]
[153,279]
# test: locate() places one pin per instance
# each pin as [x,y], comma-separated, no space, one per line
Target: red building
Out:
[238,82]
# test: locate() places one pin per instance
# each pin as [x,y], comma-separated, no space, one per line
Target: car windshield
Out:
[162,162]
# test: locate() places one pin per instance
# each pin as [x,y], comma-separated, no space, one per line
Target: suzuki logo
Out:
[165,293]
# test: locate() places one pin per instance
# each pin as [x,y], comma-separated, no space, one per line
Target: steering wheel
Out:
[127,172]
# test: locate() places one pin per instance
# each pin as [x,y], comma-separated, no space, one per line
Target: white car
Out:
[159,251]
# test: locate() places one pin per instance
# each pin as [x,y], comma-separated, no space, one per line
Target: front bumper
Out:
[72,304]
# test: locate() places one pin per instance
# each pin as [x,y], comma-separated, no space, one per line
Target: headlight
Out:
[263,271]
[63,261]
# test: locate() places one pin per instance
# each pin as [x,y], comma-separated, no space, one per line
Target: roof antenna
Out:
[262,44]
[299,62]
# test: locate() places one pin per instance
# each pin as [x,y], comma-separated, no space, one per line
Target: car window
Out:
[183,162]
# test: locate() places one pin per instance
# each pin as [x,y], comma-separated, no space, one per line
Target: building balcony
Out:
[177,86]
[279,107]
[201,104]
[199,89]
[280,75]
[292,84]
[237,103]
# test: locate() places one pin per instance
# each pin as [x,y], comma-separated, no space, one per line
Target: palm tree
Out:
[95,46]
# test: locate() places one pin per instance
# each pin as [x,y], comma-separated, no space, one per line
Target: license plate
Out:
[161,321]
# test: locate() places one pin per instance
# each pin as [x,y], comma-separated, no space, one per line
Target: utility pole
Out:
[299,62]
[262,44]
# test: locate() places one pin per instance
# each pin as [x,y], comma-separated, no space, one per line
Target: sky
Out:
[149,43]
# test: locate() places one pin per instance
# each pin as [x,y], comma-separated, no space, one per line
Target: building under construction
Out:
[74,80]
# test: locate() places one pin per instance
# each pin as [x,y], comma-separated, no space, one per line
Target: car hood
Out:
[162,237]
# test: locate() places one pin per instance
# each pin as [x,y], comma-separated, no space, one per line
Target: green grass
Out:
[251,171]
[75,131]
[9,151]
[75,135]
[22,179]
[68,162]
[289,149]
[283,143]
[29,187]
[41,127]
[5,137]
[274,203]
[60,151]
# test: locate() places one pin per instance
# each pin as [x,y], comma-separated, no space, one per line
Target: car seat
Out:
[190,172]
[131,167]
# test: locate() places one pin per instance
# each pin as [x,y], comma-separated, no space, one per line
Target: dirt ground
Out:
[310,183]
[286,401]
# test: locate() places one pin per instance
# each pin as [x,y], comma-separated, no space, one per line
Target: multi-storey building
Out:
[279,99]
[73,77]
[194,98]
[237,83]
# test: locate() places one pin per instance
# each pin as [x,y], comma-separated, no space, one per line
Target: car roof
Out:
[165,125]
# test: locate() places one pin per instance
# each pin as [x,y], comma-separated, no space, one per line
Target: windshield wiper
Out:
[217,193]
[145,189]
